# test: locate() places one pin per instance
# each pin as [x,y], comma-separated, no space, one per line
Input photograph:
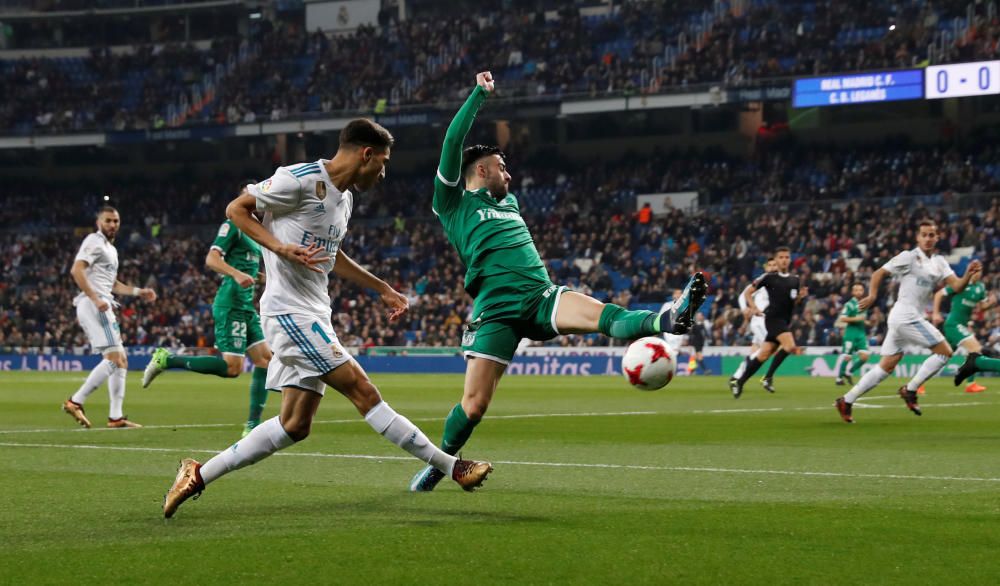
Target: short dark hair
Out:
[106,209]
[926,222]
[363,132]
[782,249]
[477,151]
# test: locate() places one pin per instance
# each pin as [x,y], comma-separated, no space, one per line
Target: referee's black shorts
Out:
[775,327]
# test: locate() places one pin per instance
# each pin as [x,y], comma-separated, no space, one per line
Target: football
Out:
[649,364]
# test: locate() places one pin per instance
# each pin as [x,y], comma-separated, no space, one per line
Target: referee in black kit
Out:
[784,291]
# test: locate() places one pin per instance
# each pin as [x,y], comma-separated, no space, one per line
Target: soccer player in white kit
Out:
[920,272]
[95,270]
[758,329]
[306,208]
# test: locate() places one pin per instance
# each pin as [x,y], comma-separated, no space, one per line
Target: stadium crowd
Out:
[648,46]
[614,255]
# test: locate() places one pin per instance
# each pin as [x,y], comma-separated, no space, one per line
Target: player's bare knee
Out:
[233,370]
[475,407]
[297,428]
[262,362]
[363,393]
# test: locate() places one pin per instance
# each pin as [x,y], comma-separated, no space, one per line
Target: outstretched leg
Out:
[482,376]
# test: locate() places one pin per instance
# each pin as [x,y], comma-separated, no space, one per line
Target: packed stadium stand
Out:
[843,206]
[276,70]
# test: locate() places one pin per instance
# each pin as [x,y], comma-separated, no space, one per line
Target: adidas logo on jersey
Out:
[320,208]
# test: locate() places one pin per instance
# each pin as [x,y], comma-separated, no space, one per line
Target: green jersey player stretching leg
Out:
[514,297]
[958,334]
[236,257]
[855,348]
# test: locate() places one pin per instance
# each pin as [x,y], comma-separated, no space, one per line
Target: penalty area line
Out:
[581,465]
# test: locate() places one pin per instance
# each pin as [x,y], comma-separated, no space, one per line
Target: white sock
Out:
[930,367]
[869,381]
[400,431]
[265,439]
[116,393]
[95,379]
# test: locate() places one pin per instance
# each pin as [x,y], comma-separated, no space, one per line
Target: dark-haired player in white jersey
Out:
[306,208]
[919,272]
[95,270]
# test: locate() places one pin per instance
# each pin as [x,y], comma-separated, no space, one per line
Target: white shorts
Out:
[101,329]
[758,329]
[918,333]
[305,348]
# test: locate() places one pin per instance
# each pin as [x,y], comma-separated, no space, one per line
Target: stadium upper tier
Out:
[278,71]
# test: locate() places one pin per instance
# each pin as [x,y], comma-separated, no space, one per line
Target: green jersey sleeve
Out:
[447,192]
[948,292]
[226,237]
[850,309]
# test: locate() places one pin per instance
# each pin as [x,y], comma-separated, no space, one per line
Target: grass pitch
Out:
[594,483]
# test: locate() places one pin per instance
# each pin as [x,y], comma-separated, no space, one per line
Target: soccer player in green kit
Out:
[514,297]
[236,257]
[958,334]
[855,346]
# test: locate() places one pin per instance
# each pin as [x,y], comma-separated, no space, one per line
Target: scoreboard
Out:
[962,79]
[957,80]
[862,88]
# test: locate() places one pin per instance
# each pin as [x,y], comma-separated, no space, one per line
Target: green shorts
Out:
[956,334]
[236,329]
[854,343]
[497,327]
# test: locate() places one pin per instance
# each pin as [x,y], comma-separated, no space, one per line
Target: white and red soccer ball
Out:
[649,364]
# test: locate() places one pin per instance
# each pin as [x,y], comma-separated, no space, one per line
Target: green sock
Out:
[843,366]
[203,364]
[258,394]
[618,322]
[457,429]
[856,363]
[984,363]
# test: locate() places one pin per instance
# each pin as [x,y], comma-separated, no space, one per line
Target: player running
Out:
[919,272]
[236,257]
[306,210]
[958,334]
[758,329]
[95,270]
[855,347]
[783,292]
[514,297]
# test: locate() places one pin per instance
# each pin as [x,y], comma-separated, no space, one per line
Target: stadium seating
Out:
[608,254]
[640,46]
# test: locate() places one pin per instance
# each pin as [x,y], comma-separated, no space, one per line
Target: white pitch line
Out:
[493,417]
[696,469]
[324,421]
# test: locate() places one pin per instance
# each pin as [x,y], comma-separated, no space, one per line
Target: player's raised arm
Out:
[276,198]
[216,257]
[958,285]
[143,293]
[347,269]
[446,185]
[873,287]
